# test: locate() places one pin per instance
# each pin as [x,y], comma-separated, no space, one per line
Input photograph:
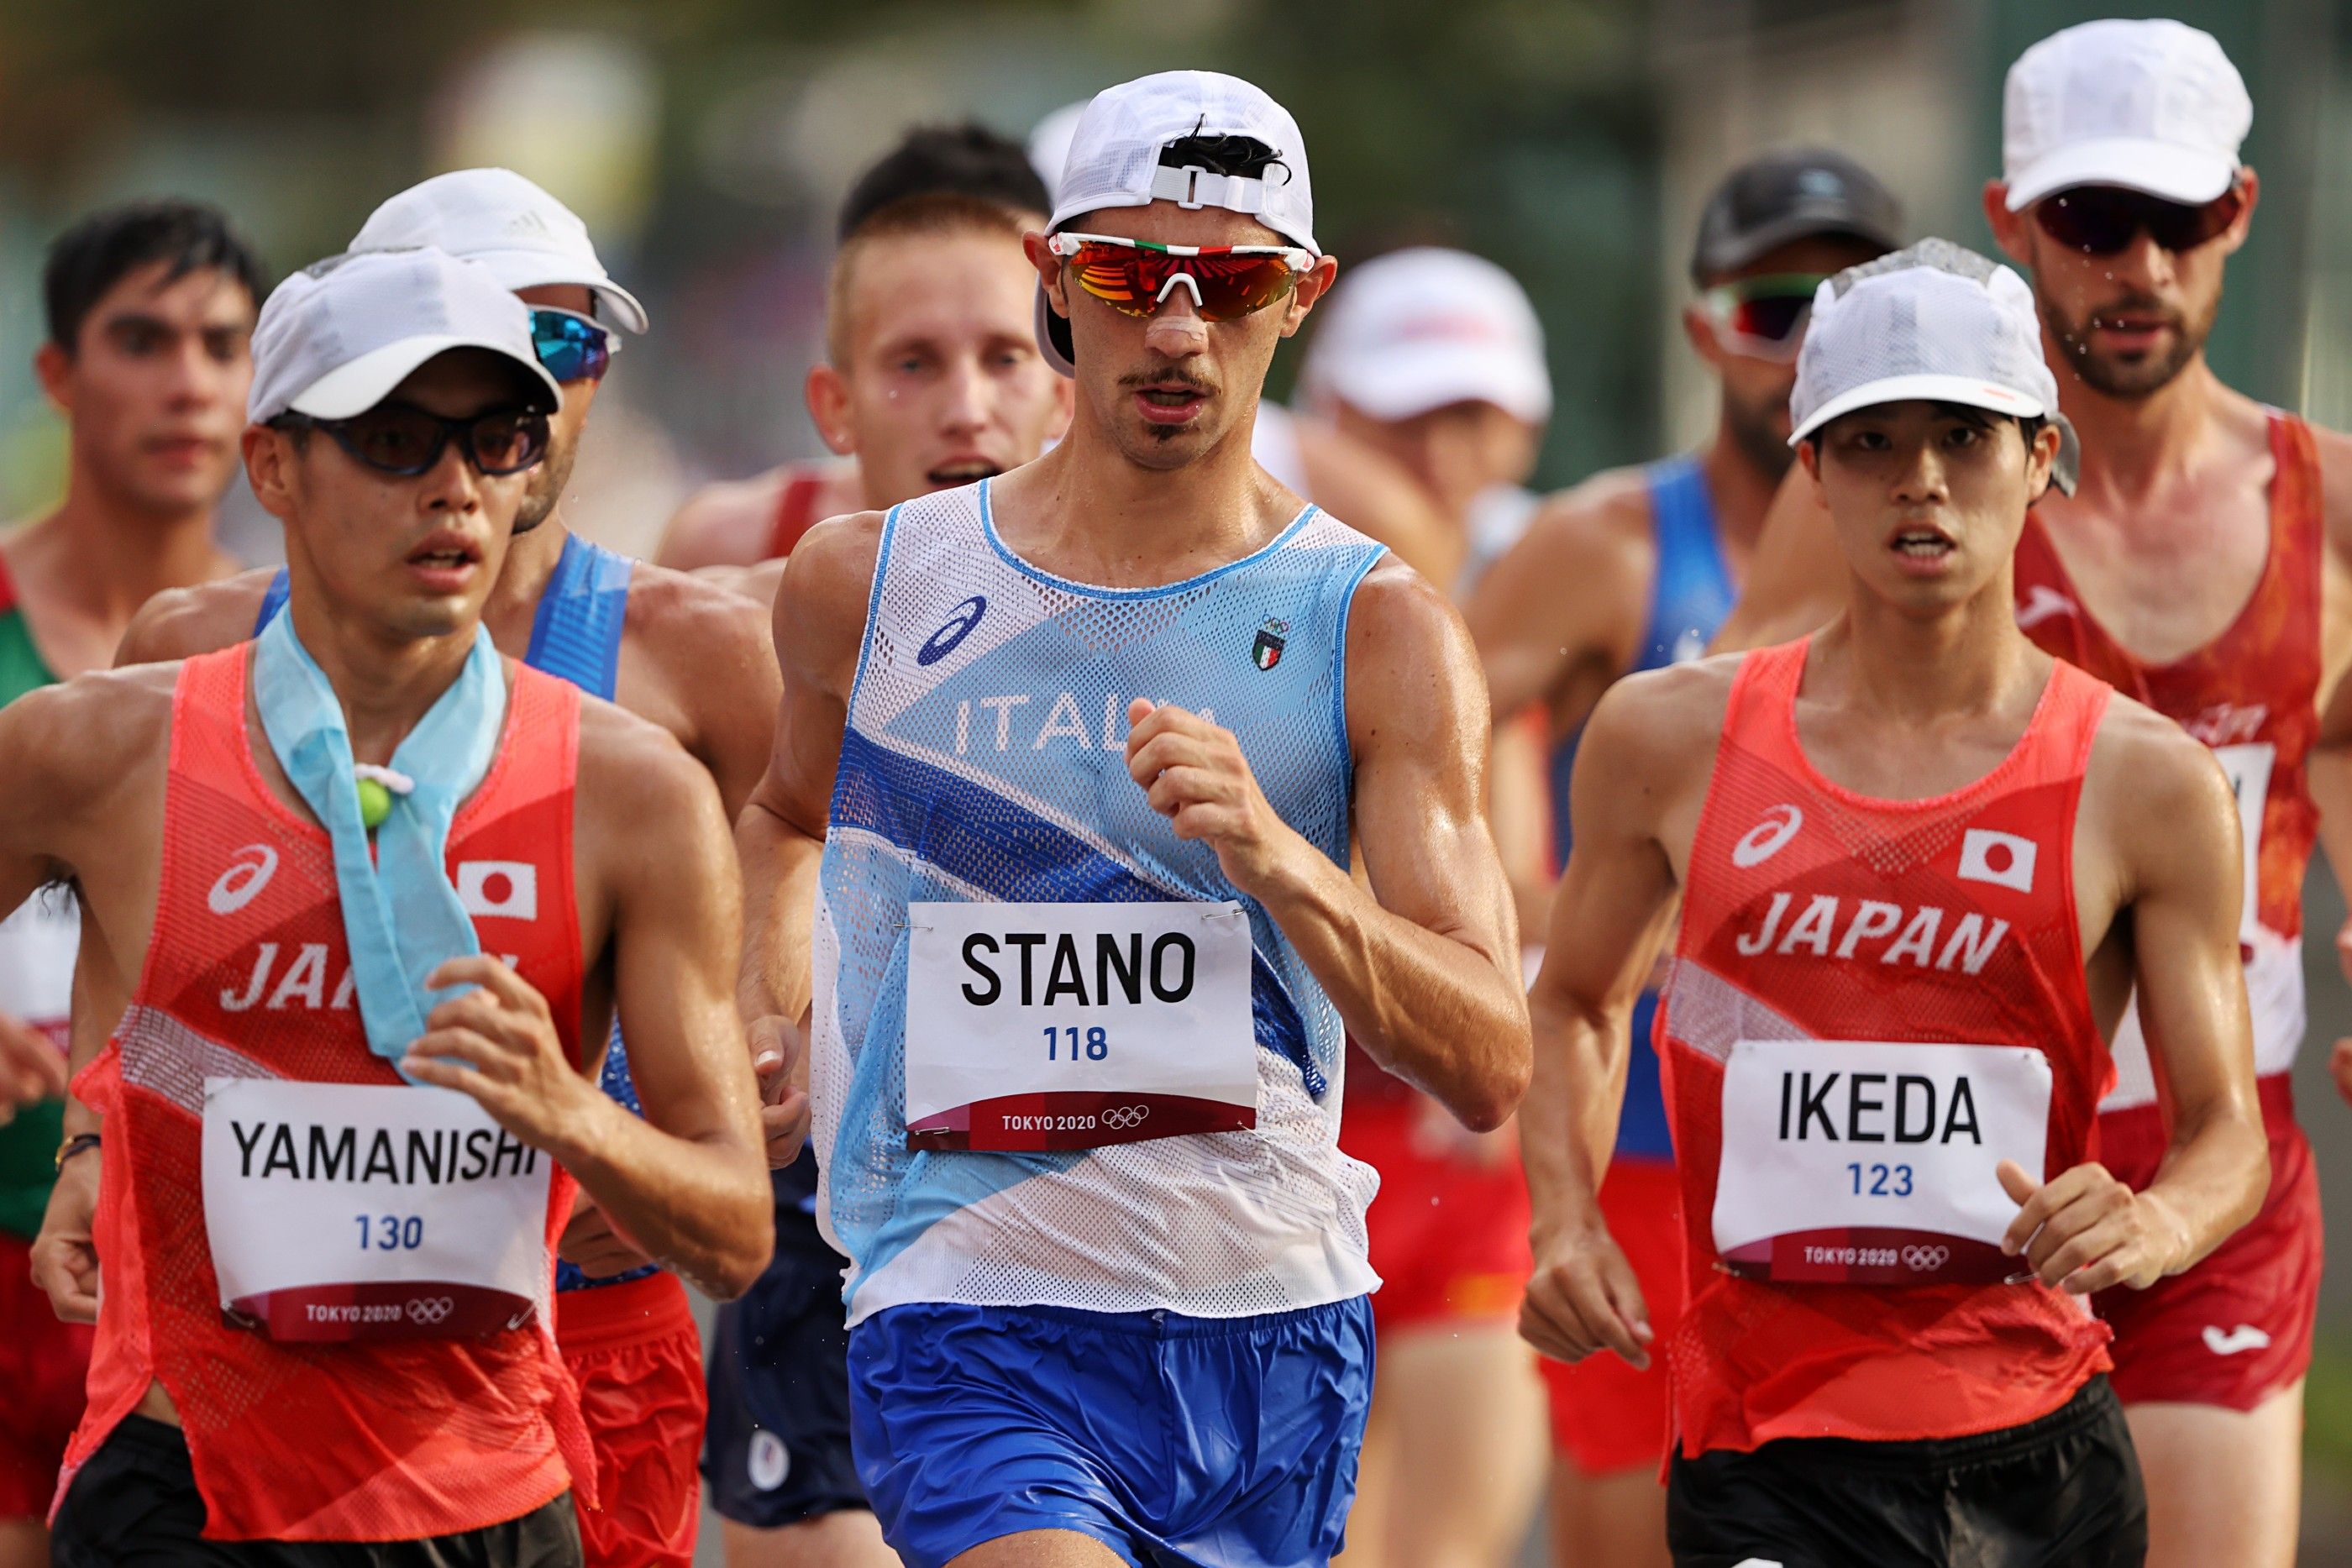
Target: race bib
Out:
[343,1211]
[1067,1025]
[1865,1164]
[2248,768]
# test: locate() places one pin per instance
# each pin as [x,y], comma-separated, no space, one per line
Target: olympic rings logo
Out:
[1925,1259]
[430,1309]
[1124,1118]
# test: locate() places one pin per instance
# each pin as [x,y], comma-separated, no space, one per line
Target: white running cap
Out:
[1417,330]
[1935,322]
[1113,158]
[2151,105]
[334,338]
[526,237]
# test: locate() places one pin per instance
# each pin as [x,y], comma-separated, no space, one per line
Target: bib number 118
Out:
[1096,1043]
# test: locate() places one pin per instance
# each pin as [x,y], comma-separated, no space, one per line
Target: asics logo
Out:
[429,1310]
[1769,837]
[2245,1336]
[242,882]
[952,633]
[1925,1259]
[1124,1118]
[2043,602]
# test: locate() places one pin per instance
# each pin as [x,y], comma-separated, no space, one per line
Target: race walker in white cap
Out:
[1920,865]
[1078,750]
[1633,569]
[2194,569]
[1311,457]
[685,656]
[369,899]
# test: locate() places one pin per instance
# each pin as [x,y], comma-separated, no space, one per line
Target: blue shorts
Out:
[1173,1440]
[776,1450]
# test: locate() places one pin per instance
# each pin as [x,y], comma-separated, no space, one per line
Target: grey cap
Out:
[1936,323]
[334,338]
[1770,201]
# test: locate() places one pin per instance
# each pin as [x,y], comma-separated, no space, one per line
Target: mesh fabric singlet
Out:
[248,976]
[983,759]
[1814,913]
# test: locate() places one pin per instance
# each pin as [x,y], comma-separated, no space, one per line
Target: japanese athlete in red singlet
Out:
[2203,566]
[326,1323]
[1921,865]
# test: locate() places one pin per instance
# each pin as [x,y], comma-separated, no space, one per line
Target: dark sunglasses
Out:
[571,346]
[403,439]
[1135,276]
[2102,220]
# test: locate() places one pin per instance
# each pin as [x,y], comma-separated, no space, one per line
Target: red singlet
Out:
[247,976]
[1813,913]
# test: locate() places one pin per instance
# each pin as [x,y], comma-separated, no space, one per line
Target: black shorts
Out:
[776,1450]
[135,1505]
[2060,1492]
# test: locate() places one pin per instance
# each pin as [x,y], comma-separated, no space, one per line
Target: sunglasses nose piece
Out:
[1169,287]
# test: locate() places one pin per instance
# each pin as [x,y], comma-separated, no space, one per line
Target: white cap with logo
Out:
[1936,323]
[2151,105]
[336,338]
[1113,161]
[526,237]
[1417,330]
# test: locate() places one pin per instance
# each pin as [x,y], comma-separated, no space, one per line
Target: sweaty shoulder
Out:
[636,778]
[1600,528]
[1663,724]
[181,622]
[87,738]
[820,614]
[726,524]
[693,626]
[2153,788]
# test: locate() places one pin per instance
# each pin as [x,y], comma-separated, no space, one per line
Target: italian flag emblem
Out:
[1267,652]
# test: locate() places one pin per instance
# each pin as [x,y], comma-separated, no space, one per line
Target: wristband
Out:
[74,1145]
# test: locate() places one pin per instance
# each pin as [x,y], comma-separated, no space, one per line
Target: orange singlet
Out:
[1940,937]
[246,978]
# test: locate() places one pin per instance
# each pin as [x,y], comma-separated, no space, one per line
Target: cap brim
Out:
[1741,249]
[2160,169]
[538,269]
[1966,391]
[1405,383]
[354,388]
[1053,335]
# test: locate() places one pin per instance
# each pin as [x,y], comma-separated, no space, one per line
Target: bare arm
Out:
[1563,609]
[2181,873]
[1797,580]
[684,1181]
[820,622]
[1424,968]
[718,690]
[1615,906]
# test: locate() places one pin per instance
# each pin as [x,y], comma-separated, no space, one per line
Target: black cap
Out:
[1790,195]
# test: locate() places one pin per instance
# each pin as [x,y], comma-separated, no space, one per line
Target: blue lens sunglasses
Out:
[571,346]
